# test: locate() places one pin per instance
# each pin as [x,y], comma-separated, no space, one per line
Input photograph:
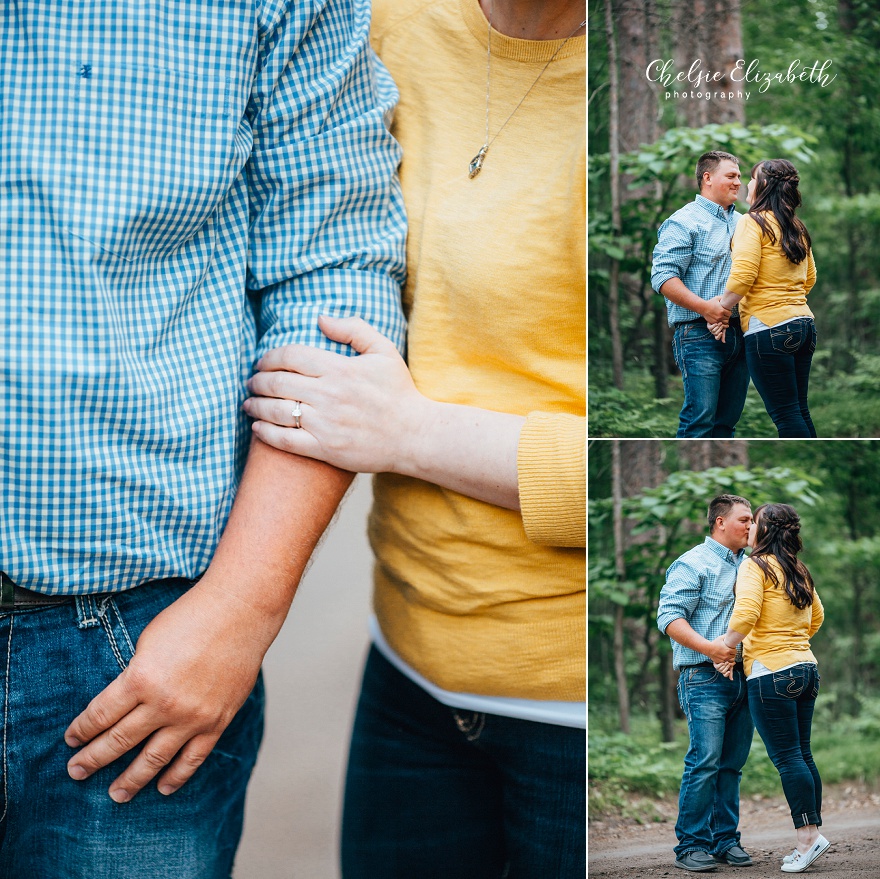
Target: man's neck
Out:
[720,542]
[528,20]
[723,207]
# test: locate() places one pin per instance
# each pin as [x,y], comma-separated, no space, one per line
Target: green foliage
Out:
[623,769]
[843,401]
[831,133]
[662,174]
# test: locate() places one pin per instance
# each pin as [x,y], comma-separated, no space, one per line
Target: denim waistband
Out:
[707,664]
[15,597]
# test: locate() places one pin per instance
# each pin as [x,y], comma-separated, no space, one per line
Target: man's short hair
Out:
[710,161]
[722,505]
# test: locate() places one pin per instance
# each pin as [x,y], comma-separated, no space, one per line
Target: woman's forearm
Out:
[469,450]
[729,300]
[733,638]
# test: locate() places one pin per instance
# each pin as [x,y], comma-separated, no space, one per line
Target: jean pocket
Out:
[696,332]
[789,684]
[786,339]
[153,156]
[119,639]
[698,677]
[813,338]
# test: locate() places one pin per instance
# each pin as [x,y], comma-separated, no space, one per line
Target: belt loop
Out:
[86,612]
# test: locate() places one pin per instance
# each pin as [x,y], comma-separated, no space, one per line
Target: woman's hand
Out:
[358,413]
[726,668]
[717,330]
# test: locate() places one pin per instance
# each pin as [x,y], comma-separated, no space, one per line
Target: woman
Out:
[467,755]
[772,273]
[777,611]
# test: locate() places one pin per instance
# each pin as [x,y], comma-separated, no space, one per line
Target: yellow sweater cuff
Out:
[551,463]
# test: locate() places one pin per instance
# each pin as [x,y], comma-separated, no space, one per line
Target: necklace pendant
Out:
[476,164]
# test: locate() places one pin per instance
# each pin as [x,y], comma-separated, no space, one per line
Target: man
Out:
[183,187]
[695,605]
[691,264]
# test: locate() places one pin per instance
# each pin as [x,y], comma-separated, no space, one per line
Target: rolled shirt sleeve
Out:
[672,254]
[680,594]
[327,223]
[552,474]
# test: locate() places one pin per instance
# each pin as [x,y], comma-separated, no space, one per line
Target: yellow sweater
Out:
[477,598]
[777,633]
[775,289]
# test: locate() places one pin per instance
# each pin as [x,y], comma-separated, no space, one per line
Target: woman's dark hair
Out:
[776,190]
[778,535]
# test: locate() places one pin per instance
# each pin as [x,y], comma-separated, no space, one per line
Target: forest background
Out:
[647,505]
[643,148]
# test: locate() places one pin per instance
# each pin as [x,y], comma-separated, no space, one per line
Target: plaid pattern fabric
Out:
[183,186]
[694,245]
[699,589]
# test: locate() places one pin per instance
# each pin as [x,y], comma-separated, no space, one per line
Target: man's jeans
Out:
[436,792]
[782,706]
[54,661]
[720,729]
[779,362]
[715,376]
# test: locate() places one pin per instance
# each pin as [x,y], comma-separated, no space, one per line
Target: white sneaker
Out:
[800,861]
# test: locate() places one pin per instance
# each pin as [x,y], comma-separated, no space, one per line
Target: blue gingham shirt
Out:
[183,186]
[694,245]
[699,589]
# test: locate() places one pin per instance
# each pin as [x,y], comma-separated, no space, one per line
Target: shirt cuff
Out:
[551,467]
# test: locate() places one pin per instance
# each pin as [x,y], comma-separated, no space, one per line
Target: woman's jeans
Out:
[437,793]
[720,730]
[54,660]
[782,707]
[779,363]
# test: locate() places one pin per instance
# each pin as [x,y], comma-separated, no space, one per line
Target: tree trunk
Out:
[614,150]
[709,31]
[667,701]
[620,570]
[703,454]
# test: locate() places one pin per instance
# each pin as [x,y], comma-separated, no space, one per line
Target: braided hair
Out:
[778,536]
[776,190]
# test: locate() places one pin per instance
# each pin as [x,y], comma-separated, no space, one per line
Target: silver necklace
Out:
[476,163]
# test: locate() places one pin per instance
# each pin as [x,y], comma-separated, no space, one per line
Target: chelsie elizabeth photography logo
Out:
[699,84]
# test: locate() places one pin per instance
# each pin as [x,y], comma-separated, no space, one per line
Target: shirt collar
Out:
[715,209]
[728,555]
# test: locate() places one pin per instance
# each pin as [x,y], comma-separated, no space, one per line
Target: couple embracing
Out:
[740,628]
[736,296]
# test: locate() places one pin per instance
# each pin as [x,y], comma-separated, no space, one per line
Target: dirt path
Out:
[851,819]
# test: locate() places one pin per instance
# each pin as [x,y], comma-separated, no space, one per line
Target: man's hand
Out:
[195,665]
[198,660]
[719,652]
[715,312]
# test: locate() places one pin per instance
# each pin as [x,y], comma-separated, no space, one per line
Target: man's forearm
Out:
[283,506]
[198,659]
[712,310]
[681,632]
[677,292]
